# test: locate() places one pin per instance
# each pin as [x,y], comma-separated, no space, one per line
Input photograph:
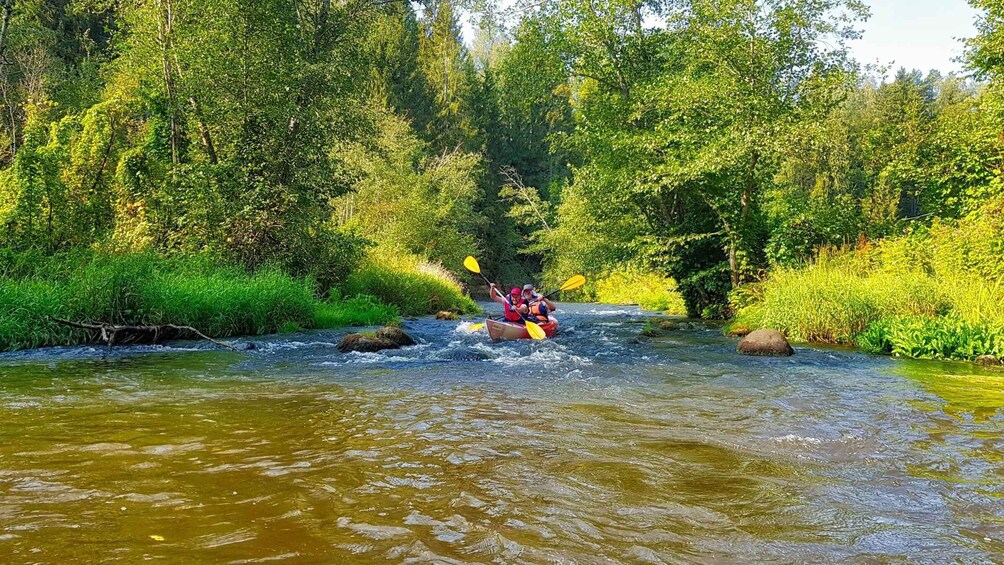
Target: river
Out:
[595,447]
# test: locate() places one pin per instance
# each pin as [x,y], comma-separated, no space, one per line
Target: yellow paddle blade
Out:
[536,332]
[573,283]
[476,327]
[472,265]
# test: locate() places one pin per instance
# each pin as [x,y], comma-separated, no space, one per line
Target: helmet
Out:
[528,287]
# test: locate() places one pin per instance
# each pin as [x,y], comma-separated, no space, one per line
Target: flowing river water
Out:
[595,447]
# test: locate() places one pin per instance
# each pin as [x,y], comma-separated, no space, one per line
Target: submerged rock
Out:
[765,343]
[987,361]
[447,315]
[384,338]
[660,326]
[464,354]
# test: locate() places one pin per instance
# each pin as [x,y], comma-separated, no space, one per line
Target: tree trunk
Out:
[164,36]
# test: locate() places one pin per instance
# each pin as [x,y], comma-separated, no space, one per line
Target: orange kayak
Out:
[506,330]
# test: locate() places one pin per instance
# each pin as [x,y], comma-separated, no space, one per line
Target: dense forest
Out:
[730,149]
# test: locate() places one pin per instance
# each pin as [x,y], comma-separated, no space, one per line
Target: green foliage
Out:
[937,293]
[361,310]
[651,291]
[408,199]
[139,289]
[833,300]
[415,287]
[932,338]
[292,137]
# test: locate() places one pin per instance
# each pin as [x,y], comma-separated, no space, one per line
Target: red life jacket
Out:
[511,314]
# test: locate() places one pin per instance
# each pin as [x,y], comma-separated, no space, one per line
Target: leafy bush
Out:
[417,289]
[833,300]
[651,291]
[932,338]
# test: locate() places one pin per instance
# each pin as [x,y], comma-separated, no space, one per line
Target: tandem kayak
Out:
[505,330]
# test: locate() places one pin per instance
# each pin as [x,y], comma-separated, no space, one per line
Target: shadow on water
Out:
[596,446]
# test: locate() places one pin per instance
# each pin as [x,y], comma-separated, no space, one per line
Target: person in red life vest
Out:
[513,304]
[538,307]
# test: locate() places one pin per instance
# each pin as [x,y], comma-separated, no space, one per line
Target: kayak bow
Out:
[500,331]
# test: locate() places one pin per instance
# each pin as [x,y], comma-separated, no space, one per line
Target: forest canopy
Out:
[706,141]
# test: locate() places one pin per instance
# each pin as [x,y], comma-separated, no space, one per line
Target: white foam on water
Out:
[792,438]
[466,328]
[605,312]
[293,345]
[545,358]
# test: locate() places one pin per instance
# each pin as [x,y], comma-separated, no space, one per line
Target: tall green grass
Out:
[936,293]
[414,286]
[141,289]
[651,291]
[832,300]
[361,310]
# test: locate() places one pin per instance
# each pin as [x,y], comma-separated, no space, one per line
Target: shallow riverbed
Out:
[594,447]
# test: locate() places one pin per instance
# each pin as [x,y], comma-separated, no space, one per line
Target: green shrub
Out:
[833,300]
[932,338]
[414,286]
[651,291]
[230,302]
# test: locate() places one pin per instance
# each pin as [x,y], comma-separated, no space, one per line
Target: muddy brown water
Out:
[592,448]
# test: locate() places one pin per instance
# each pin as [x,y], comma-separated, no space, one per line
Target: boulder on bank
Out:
[447,315]
[987,361]
[765,343]
[384,338]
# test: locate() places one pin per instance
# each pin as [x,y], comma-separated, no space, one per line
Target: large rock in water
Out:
[384,338]
[765,343]
[395,335]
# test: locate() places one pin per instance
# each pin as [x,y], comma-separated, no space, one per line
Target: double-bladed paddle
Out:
[571,284]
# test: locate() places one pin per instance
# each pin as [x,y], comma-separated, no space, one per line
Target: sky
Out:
[921,34]
[916,34]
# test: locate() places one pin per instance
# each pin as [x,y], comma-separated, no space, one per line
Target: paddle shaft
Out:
[546,296]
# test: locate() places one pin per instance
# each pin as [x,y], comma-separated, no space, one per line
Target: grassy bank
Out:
[937,293]
[414,286]
[219,300]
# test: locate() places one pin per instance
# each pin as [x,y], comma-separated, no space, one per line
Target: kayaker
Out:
[531,295]
[513,304]
[538,307]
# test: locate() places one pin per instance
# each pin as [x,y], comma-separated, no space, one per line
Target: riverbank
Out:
[937,293]
[217,299]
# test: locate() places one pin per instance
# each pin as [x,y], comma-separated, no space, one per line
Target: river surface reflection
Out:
[595,447]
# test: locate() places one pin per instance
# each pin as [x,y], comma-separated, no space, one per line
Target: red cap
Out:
[515,292]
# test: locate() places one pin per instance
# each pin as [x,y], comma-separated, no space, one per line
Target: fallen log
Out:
[114,334]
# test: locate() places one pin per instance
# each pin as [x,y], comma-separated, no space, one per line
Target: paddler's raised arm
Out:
[493,290]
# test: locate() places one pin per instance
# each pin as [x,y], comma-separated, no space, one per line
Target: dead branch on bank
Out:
[113,334]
